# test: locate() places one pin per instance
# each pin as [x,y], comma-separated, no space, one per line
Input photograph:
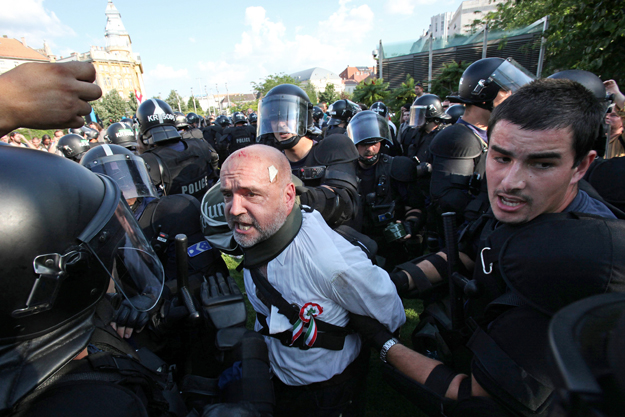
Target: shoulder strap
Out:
[332,338]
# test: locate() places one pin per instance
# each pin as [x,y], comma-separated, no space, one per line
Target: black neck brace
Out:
[265,251]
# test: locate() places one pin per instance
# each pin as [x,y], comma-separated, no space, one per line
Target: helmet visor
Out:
[368,126]
[123,251]
[214,224]
[511,76]
[130,174]
[282,114]
[417,116]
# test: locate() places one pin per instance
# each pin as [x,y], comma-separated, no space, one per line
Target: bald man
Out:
[303,280]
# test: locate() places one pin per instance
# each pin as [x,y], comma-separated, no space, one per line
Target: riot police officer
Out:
[57,264]
[212,134]
[381,109]
[341,111]
[326,168]
[459,151]
[426,120]
[122,134]
[160,219]
[73,146]
[240,135]
[177,165]
[391,208]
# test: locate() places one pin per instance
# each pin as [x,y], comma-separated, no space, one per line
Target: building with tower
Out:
[117,66]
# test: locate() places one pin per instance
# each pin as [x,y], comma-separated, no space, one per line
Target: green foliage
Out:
[133,103]
[371,90]
[242,106]
[197,109]
[329,94]
[174,99]
[346,96]
[262,87]
[582,34]
[31,133]
[404,94]
[449,78]
[310,91]
[111,108]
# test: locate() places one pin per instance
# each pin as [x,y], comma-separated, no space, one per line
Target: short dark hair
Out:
[547,104]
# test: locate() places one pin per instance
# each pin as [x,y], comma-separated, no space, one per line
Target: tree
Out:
[111,108]
[329,94]
[197,105]
[310,91]
[371,90]
[133,103]
[174,100]
[449,78]
[582,34]
[262,87]
[404,94]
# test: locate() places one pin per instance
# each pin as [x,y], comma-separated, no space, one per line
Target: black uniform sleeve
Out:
[337,197]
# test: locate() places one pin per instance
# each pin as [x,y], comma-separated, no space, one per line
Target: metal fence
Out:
[424,63]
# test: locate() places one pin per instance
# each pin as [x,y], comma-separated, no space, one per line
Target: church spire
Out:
[117,39]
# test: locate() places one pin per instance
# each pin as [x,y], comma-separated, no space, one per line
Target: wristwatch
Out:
[384,351]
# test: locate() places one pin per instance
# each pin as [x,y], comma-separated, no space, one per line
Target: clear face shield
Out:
[509,76]
[417,116]
[118,245]
[130,174]
[283,116]
[123,251]
[368,126]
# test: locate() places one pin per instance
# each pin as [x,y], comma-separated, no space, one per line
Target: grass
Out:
[382,400]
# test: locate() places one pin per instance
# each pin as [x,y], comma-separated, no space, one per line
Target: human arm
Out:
[611,87]
[45,96]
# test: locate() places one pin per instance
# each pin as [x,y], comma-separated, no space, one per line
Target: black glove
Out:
[370,329]
[216,287]
[129,317]
[171,313]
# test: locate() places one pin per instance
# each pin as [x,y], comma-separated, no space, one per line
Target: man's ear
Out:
[583,166]
[289,195]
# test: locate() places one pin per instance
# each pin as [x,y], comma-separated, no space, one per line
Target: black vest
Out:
[186,172]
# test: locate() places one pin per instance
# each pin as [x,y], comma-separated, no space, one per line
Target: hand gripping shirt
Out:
[321,268]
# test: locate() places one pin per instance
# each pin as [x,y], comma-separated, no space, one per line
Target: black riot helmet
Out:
[157,122]
[455,112]
[181,120]
[342,111]
[121,133]
[285,113]
[427,108]
[317,113]
[588,80]
[67,232]
[367,128]
[73,146]
[124,167]
[587,339]
[193,118]
[238,117]
[380,108]
[222,121]
[253,118]
[482,80]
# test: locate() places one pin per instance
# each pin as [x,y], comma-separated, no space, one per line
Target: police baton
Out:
[455,296]
[182,276]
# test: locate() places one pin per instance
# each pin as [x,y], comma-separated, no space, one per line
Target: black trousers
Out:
[341,395]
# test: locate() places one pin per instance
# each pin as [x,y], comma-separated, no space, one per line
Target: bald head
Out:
[258,192]
[276,167]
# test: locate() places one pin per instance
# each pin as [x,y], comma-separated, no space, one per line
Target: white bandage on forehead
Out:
[273,172]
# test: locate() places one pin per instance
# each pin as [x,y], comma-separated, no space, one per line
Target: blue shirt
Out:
[480,132]
[583,203]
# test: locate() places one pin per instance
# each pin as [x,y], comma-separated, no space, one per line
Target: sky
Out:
[205,45]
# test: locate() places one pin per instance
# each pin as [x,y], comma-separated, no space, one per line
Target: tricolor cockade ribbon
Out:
[307,314]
